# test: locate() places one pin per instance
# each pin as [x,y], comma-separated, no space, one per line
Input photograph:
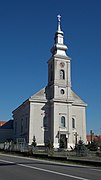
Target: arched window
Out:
[62,121]
[51,72]
[62,74]
[62,91]
[73,123]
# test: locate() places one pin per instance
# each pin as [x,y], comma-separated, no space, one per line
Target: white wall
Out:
[37,114]
[21,114]
[79,113]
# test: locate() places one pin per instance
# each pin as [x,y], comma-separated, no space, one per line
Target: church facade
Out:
[55,113]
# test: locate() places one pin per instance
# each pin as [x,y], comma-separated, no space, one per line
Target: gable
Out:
[76,99]
[40,95]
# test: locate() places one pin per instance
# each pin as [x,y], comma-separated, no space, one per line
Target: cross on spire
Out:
[59,29]
[58,16]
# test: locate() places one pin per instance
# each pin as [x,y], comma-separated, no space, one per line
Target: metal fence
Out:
[45,151]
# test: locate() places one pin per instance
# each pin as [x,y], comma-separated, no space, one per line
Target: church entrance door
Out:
[63,141]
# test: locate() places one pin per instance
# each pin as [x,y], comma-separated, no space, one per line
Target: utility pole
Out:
[91,136]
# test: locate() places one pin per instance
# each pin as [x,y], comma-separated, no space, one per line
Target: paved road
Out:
[20,168]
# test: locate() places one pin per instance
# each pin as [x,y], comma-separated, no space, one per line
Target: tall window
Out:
[45,122]
[15,127]
[26,123]
[73,123]
[21,125]
[51,72]
[62,121]
[62,74]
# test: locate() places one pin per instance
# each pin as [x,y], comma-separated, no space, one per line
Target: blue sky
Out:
[27,29]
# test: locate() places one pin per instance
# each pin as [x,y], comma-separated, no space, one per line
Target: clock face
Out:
[62,64]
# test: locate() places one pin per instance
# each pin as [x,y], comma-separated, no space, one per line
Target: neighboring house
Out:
[93,137]
[55,113]
[6,131]
[2,123]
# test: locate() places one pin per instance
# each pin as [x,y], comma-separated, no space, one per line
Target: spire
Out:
[59,34]
[59,48]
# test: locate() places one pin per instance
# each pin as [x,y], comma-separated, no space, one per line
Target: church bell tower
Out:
[59,75]
[59,89]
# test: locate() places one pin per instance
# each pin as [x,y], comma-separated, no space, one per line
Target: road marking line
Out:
[45,170]
[96,169]
[52,162]
[10,162]
[53,172]
[47,161]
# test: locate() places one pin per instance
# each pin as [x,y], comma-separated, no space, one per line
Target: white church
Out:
[55,113]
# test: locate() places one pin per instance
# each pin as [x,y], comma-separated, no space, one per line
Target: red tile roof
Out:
[2,123]
[94,137]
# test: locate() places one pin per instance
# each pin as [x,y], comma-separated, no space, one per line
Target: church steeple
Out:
[59,34]
[59,48]
[59,73]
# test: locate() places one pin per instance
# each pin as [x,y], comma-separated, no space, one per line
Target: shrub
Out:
[93,146]
[34,142]
[81,149]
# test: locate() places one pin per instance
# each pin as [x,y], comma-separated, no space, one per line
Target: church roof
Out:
[39,96]
[76,99]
